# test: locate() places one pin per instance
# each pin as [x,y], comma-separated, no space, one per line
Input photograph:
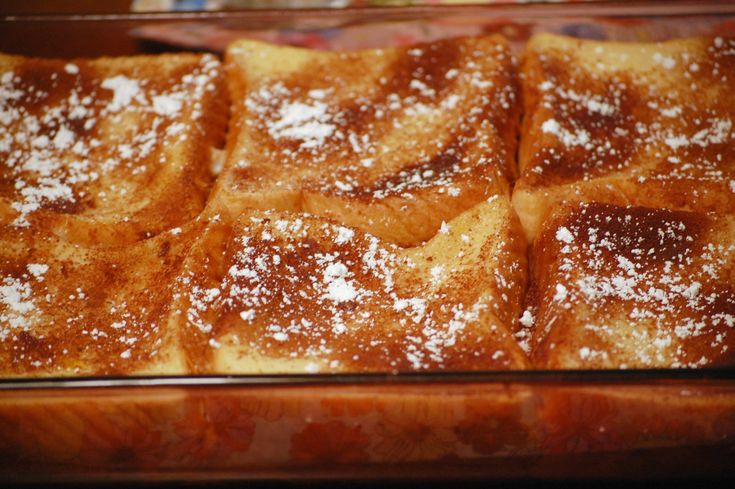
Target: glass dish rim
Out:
[506,8]
[629,377]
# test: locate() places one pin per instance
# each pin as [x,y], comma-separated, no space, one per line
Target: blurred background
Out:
[120,6]
[52,28]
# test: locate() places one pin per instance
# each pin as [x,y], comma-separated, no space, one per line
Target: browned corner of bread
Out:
[285,292]
[626,123]
[110,151]
[392,141]
[634,287]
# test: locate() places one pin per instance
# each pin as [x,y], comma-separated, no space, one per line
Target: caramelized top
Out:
[342,106]
[67,309]
[366,126]
[97,137]
[104,140]
[634,287]
[421,138]
[654,112]
[296,287]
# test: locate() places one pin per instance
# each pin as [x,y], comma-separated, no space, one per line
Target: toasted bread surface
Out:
[632,287]
[392,141]
[282,292]
[109,150]
[362,221]
[68,309]
[646,124]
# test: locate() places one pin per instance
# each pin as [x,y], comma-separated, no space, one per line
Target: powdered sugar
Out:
[594,114]
[338,289]
[563,235]
[62,153]
[124,89]
[316,290]
[717,132]
[168,105]
[344,235]
[667,62]
[37,270]
[560,294]
[306,122]
[527,319]
[649,273]
[15,294]
[578,137]
[330,136]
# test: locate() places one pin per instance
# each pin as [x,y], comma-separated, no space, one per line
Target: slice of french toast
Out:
[110,150]
[632,287]
[70,310]
[391,141]
[284,292]
[647,124]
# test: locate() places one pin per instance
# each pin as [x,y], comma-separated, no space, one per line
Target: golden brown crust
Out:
[284,292]
[393,141]
[363,220]
[110,150]
[68,310]
[135,309]
[633,287]
[642,124]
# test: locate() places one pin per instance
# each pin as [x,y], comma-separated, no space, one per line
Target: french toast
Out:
[632,287]
[363,219]
[284,292]
[68,309]
[110,150]
[391,141]
[646,124]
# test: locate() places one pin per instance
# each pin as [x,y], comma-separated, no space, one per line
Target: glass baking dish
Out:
[527,425]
